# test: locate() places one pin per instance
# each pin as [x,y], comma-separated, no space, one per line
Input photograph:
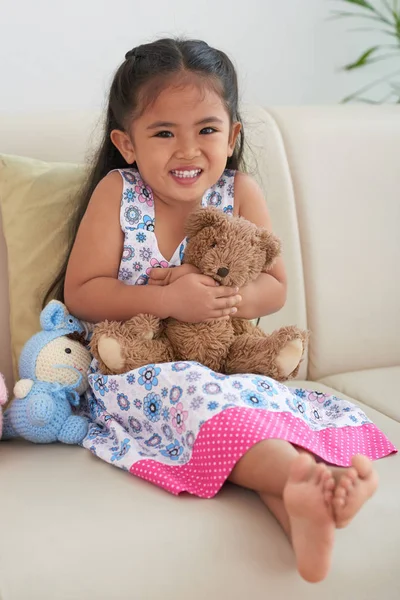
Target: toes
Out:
[362,465]
[328,500]
[319,473]
[352,474]
[338,502]
[329,487]
[301,469]
[340,491]
[347,484]
[329,483]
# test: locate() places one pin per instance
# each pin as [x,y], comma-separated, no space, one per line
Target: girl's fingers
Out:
[155,282]
[224,291]
[228,303]
[223,313]
[158,274]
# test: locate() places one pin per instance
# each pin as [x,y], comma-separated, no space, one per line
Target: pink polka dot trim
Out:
[225,438]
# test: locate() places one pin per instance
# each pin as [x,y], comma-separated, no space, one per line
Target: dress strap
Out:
[221,195]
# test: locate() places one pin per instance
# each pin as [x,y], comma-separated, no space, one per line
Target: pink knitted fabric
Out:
[3,400]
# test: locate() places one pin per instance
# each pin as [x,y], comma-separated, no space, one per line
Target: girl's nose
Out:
[187,150]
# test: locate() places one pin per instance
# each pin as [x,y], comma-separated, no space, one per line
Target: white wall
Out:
[61,54]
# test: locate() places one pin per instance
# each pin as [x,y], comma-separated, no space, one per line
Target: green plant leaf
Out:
[388,77]
[362,60]
[362,3]
[385,16]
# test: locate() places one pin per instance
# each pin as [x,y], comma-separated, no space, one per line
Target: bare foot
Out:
[354,488]
[307,501]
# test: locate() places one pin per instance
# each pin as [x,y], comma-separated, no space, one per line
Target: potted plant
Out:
[383,17]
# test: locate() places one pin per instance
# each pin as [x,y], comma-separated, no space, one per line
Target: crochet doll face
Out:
[73,358]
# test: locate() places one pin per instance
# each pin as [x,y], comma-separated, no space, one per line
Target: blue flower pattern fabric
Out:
[140,252]
[161,417]
[152,421]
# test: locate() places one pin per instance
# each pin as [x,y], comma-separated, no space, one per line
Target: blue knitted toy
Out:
[53,369]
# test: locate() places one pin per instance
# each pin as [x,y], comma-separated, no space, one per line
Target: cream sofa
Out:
[74,528]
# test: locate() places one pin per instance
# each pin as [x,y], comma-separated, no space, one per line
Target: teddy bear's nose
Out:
[223,272]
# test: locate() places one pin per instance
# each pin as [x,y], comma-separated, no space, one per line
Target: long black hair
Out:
[138,80]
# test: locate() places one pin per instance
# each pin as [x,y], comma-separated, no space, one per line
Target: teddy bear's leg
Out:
[241,326]
[73,430]
[207,343]
[277,355]
[123,346]
[111,353]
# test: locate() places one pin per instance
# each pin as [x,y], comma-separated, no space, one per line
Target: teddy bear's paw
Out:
[289,358]
[110,352]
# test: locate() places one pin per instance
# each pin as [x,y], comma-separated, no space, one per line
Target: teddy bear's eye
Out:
[214,245]
[67,350]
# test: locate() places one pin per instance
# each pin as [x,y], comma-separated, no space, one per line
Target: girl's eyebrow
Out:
[158,124]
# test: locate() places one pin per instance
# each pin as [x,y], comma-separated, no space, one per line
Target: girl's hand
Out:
[196,298]
[171,274]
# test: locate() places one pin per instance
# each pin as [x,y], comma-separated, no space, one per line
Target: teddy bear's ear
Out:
[271,245]
[203,217]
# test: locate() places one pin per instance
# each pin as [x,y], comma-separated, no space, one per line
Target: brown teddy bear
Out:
[234,252]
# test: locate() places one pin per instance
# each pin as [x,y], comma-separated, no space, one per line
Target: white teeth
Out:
[184,174]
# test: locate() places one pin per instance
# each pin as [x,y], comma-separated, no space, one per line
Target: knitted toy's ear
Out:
[53,316]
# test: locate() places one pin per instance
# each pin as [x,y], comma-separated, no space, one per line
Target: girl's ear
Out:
[233,136]
[122,142]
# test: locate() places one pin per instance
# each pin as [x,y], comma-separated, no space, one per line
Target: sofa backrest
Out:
[5,342]
[345,168]
[332,182]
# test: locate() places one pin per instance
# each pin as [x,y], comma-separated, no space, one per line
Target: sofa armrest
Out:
[5,335]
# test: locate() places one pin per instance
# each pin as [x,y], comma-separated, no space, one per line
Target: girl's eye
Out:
[163,134]
[207,130]
[67,350]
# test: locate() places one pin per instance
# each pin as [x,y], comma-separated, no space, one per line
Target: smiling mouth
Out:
[186,174]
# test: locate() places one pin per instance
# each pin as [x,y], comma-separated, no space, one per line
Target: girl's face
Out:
[180,143]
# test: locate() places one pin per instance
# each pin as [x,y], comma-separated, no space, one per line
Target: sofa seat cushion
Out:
[378,388]
[74,527]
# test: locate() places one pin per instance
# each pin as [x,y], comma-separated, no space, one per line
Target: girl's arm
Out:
[267,294]
[93,292]
[92,289]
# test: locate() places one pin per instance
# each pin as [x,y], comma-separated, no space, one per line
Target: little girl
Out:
[173,141]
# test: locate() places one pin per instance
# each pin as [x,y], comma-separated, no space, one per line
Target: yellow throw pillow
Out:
[37,201]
